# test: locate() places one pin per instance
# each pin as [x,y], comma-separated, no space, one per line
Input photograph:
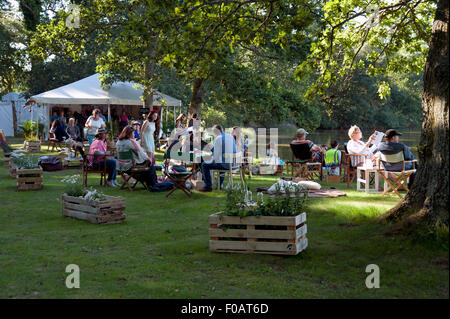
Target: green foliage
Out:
[381,36]
[74,187]
[290,203]
[30,129]
[26,161]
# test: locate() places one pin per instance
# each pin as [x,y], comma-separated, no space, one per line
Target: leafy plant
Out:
[30,129]
[26,161]
[74,186]
[290,203]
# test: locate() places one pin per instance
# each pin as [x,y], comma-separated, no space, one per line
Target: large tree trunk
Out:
[197,97]
[427,200]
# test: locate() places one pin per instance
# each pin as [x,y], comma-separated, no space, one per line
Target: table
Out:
[366,179]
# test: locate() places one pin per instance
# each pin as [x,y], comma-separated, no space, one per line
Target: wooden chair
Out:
[233,166]
[350,165]
[398,179]
[86,169]
[131,177]
[53,142]
[302,164]
[178,178]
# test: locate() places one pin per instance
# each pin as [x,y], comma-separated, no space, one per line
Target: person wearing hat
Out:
[137,130]
[98,147]
[301,139]
[393,146]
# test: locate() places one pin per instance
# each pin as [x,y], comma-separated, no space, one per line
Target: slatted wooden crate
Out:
[32,146]
[12,169]
[108,211]
[29,179]
[6,158]
[263,235]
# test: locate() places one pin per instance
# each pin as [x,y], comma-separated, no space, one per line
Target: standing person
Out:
[393,146]
[99,147]
[93,123]
[123,121]
[236,132]
[179,122]
[73,130]
[126,143]
[356,146]
[148,132]
[62,119]
[223,144]
[137,130]
[333,159]
[54,117]
[193,118]
[58,130]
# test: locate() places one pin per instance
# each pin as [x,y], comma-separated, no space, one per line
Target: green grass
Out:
[161,250]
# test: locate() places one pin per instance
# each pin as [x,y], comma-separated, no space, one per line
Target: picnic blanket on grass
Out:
[324,192]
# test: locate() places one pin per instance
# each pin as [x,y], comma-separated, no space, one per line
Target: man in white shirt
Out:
[224,143]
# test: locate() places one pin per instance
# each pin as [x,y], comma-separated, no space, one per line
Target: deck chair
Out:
[302,164]
[233,167]
[86,169]
[131,177]
[54,143]
[398,179]
[178,178]
[349,166]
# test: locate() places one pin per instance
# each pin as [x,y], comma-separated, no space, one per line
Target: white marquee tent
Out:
[89,91]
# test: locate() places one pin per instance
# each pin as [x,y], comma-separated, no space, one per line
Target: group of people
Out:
[370,151]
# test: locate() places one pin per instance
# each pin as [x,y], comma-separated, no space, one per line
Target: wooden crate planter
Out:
[109,211]
[262,235]
[12,169]
[6,158]
[29,179]
[32,146]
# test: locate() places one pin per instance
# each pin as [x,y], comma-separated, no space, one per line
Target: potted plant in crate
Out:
[27,171]
[276,225]
[91,204]
[31,131]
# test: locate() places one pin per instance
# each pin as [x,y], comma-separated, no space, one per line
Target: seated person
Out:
[356,146]
[59,131]
[333,159]
[73,131]
[137,130]
[392,146]
[125,143]
[4,144]
[224,143]
[301,139]
[98,147]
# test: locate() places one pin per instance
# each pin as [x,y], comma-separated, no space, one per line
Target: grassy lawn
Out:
[161,250]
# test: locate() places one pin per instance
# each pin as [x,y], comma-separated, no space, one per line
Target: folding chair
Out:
[178,178]
[234,166]
[350,164]
[131,177]
[395,180]
[302,164]
[54,143]
[86,169]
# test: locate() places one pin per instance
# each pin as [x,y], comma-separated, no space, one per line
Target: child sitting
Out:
[333,159]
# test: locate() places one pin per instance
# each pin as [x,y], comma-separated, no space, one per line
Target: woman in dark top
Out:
[58,130]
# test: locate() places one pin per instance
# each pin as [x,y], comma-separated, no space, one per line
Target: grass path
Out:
[161,250]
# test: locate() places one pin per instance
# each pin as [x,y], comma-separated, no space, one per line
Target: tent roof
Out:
[89,91]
